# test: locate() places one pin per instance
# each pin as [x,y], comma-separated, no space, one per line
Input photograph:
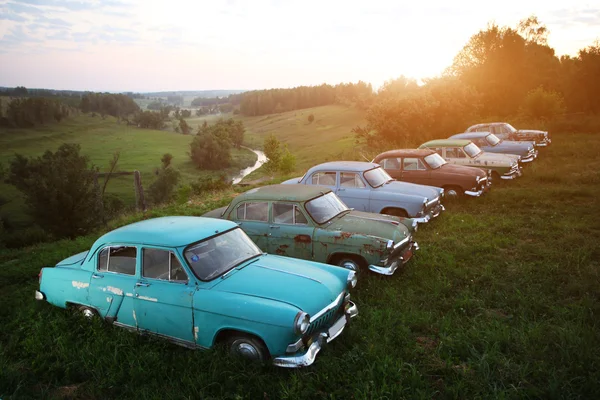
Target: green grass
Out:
[141,149]
[501,301]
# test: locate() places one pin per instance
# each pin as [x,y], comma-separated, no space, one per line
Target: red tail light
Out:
[40,276]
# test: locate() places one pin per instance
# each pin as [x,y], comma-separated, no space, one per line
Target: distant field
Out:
[501,302]
[140,149]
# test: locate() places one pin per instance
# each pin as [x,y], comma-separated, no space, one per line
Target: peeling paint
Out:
[79,285]
[302,239]
[115,290]
[196,333]
[148,298]
[281,249]
[108,299]
[134,318]
[129,294]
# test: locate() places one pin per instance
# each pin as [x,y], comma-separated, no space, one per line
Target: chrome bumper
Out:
[513,173]
[544,143]
[432,214]
[484,188]
[308,357]
[389,270]
[530,158]
[39,295]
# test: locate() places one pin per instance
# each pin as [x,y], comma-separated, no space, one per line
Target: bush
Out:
[208,183]
[542,104]
[273,152]
[183,194]
[210,150]
[113,205]
[61,191]
[26,237]
[162,188]
[311,118]
[288,161]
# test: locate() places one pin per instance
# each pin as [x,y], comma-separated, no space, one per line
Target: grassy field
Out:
[502,301]
[141,149]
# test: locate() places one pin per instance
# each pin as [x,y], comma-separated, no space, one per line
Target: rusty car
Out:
[426,167]
[367,187]
[491,143]
[506,131]
[199,282]
[312,223]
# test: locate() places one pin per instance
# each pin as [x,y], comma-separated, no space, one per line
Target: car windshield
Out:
[377,177]
[472,150]
[326,207]
[510,128]
[492,139]
[213,257]
[435,160]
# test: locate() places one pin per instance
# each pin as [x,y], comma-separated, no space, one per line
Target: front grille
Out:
[324,320]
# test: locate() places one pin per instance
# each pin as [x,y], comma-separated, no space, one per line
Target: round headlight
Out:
[352,279]
[301,323]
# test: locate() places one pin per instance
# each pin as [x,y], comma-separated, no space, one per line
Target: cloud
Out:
[12,17]
[77,5]
[24,9]
[17,36]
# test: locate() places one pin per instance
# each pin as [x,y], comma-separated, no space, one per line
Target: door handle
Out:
[341,190]
[144,284]
[274,227]
[96,276]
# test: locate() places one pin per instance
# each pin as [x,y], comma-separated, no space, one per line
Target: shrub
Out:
[208,183]
[311,118]
[183,194]
[26,237]
[272,150]
[288,161]
[61,191]
[210,150]
[162,188]
[166,159]
[542,104]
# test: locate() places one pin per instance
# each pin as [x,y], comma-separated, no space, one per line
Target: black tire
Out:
[453,192]
[396,212]
[247,347]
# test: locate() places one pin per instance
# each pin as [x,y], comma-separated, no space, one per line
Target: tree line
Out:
[502,73]
[31,111]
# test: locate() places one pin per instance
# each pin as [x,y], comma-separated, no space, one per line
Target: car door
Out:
[291,233]
[113,283]
[253,218]
[163,295]
[392,167]
[353,190]
[456,155]
[500,131]
[415,171]
[324,178]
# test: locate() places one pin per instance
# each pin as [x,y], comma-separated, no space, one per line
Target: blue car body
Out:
[403,199]
[490,143]
[261,297]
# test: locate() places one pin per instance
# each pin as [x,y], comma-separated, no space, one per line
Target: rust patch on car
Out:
[281,249]
[369,248]
[302,239]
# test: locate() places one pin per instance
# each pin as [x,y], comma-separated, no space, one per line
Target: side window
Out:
[162,264]
[351,180]
[253,211]
[438,150]
[391,163]
[413,164]
[483,129]
[285,213]
[323,178]
[453,152]
[119,259]
[501,129]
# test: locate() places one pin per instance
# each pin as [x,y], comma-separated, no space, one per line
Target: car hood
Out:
[499,159]
[430,192]
[75,259]
[520,148]
[463,170]
[382,226]
[215,213]
[300,283]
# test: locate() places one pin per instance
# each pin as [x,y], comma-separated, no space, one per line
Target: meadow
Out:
[501,301]
[140,149]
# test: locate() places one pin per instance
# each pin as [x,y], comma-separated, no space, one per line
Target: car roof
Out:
[294,192]
[343,166]
[486,124]
[405,152]
[446,143]
[470,135]
[166,231]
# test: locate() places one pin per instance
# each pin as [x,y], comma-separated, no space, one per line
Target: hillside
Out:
[141,149]
[501,301]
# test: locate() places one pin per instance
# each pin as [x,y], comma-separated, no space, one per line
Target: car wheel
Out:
[396,212]
[247,347]
[86,312]
[453,192]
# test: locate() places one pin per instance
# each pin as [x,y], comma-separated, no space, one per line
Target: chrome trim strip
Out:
[403,241]
[290,273]
[331,306]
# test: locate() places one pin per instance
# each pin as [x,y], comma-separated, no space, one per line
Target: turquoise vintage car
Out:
[312,223]
[199,282]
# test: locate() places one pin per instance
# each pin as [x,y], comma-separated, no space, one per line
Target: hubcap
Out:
[348,265]
[88,313]
[246,350]
[451,193]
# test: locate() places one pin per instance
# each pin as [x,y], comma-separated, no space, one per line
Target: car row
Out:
[269,275]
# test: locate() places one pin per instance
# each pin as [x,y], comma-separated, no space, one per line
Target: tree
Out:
[60,190]
[288,161]
[210,148]
[272,152]
[542,104]
[184,127]
[166,160]
[161,190]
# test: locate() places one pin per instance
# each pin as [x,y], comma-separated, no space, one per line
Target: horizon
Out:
[132,46]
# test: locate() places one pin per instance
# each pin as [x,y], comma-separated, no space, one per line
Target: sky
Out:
[148,45]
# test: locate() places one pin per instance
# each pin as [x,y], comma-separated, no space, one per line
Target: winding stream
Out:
[246,171]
